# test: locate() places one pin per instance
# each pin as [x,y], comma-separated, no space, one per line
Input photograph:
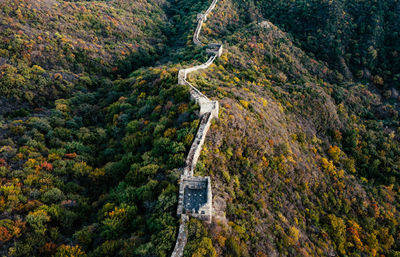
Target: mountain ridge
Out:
[304,159]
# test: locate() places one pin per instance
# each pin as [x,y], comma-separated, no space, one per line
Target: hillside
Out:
[301,165]
[358,38]
[94,129]
[54,46]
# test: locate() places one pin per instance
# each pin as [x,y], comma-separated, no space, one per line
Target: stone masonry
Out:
[182,237]
[195,194]
[195,197]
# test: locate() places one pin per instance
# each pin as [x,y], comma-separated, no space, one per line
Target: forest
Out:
[94,128]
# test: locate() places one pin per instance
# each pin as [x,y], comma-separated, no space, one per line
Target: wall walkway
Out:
[208,110]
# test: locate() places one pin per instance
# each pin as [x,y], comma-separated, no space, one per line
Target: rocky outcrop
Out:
[195,196]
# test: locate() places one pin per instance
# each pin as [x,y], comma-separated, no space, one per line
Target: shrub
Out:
[70,251]
[54,195]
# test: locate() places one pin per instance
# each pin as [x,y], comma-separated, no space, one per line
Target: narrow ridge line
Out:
[208,110]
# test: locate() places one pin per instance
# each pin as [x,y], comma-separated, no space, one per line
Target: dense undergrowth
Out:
[49,48]
[98,168]
[358,38]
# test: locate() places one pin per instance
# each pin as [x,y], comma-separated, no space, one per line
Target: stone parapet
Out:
[195,149]
[182,237]
[200,19]
[195,194]
[195,197]
[215,48]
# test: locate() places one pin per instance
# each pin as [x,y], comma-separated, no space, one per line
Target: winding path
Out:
[208,110]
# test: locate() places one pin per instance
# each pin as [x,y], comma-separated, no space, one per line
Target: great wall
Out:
[195,196]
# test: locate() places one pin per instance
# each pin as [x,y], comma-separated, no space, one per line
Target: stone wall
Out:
[203,184]
[208,110]
[206,105]
[182,237]
[214,48]
[195,149]
[200,19]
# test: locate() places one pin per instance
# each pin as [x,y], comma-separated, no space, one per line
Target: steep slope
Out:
[300,166]
[49,47]
[358,38]
[98,169]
